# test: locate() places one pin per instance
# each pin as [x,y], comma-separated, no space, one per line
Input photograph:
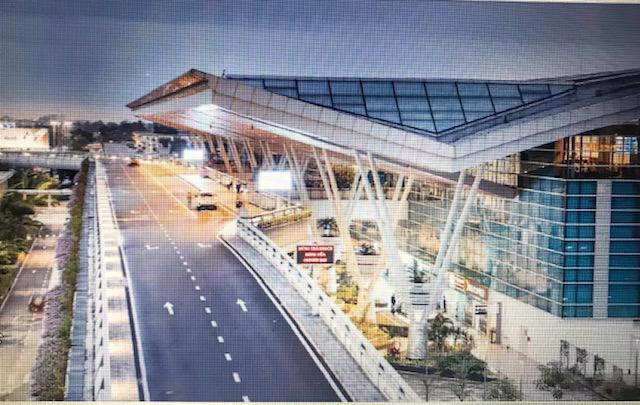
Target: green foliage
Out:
[50,383]
[440,328]
[502,389]
[460,365]
[344,175]
[348,293]
[554,378]
[80,138]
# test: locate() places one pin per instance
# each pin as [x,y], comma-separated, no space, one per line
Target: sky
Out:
[87,59]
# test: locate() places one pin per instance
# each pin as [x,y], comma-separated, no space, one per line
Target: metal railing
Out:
[375,366]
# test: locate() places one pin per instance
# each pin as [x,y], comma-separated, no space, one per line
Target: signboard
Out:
[314,254]
[481,310]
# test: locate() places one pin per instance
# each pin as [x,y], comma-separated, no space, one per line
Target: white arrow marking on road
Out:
[242,305]
[204,245]
[236,377]
[197,288]
[227,357]
[149,247]
[169,307]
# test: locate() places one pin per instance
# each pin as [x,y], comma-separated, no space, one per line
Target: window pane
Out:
[313,87]
[473,89]
[409,89]
[320,100]
[386,116]
[624,294]
[415,115]
[442,89]
[381,104]
[413,104]
[504,90]
[280,83]
[533,92]
[345,88]
[558,88]
[504,103]
[347,99]
[377,88]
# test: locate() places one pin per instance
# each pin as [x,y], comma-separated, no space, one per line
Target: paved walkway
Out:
[337,358]
[21,328]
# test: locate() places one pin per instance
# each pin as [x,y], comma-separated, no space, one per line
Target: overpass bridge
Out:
[49,159]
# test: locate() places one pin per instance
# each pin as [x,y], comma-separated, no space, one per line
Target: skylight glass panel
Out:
[420,124]
[559,88]
[380,88]
[473,90]
[476,107]
[348,99]
[413,103]
[504,90]
[313,87]
[381,103]
[280,83]
[442,89]
[534,92]
[355,109]
[409,89]
[442,125]
[285,92]
[320,100]
[345,88]
[415,115]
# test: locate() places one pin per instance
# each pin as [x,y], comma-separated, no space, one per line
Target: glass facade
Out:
[422,106]
[532,236]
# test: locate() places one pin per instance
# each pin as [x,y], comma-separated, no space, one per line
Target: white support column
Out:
[225,157]
[236,155]
[267,160]
[448,226]
[250,157]
[343,227]
[272,163]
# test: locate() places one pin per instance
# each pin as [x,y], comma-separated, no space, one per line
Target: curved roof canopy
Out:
[433,124]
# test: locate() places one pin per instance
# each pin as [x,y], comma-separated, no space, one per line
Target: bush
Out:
[49,371]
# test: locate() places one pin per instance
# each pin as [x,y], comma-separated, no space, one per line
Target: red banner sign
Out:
[314,254]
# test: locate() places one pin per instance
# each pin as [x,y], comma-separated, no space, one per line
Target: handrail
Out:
[375,366]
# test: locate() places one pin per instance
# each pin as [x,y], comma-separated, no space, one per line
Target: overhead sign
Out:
[481,309]
[314,254]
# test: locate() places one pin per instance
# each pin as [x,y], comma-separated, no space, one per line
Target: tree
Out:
[439,330]
[80,138]
[554,378]
[502,389]
[461,365]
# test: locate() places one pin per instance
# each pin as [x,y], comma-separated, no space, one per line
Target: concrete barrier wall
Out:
[114,363]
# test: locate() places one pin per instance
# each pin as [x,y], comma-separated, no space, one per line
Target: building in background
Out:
[159,144]
[24,139]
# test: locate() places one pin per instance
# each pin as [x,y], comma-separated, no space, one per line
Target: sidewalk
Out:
[518,367]
[340,362]
[22,329]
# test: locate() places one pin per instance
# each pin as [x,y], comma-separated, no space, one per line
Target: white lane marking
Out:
[227,357]
[169,307]
[172,242]
[204,245]
[202,298]
[192,278]
[181,257]
[245,398]
[242,304]
[175,248]
[197,288]
[185,263]
[207,310]
[214,324]
[295,330]
[188,270]
[33,271]
[220,339]
[236,377]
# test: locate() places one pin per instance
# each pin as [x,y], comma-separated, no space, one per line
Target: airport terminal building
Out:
[521,199]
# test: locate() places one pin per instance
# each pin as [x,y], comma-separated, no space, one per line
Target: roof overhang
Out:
[210,104]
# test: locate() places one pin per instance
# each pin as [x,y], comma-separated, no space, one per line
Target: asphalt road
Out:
[210,349]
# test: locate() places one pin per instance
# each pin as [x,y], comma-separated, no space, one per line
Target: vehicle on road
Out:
[36,303]
[134,163]
[206,207]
